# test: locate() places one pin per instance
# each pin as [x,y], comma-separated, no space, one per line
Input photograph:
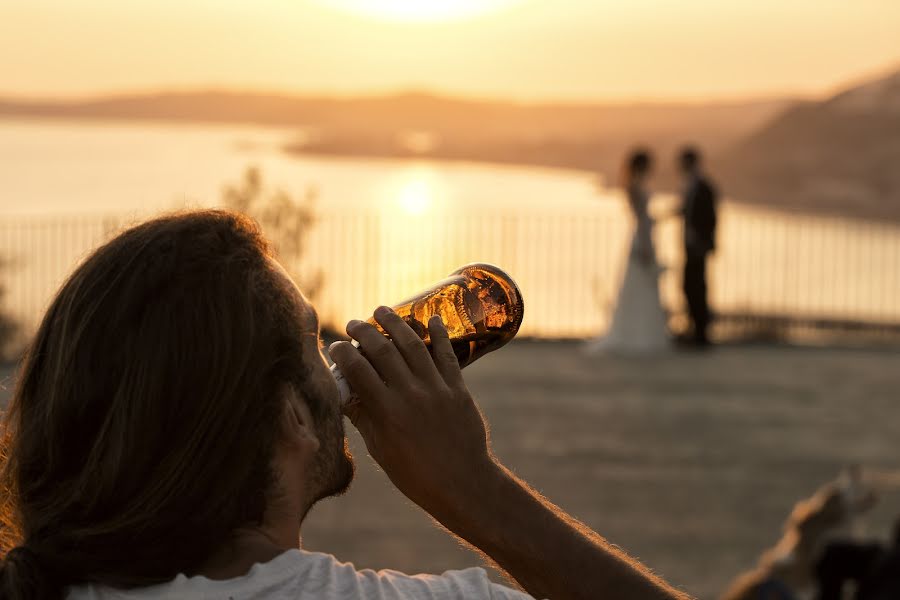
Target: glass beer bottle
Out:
[480,305]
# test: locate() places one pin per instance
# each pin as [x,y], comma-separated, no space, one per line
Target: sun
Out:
[419,10]
[416,196]
[414,191]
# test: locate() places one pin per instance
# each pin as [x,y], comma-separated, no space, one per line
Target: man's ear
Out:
[297,423]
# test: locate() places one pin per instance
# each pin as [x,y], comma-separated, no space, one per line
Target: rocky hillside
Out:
[840,155]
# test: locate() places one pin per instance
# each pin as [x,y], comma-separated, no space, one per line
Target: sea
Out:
[386,227]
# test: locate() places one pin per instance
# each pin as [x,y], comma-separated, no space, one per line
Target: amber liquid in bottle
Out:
[480,305]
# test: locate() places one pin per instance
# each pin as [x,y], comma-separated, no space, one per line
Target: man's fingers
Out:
[442,351]
[361,375]
[381,352]
[408,342]
[362,420]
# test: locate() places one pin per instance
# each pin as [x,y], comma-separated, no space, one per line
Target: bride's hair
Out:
[638,163]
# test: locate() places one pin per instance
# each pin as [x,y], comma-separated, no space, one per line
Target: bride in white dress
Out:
[639,323]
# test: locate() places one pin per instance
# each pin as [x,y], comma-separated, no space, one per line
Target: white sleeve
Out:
[467,584]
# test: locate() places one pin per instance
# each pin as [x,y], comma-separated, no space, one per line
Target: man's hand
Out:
[415,414]
[423,427]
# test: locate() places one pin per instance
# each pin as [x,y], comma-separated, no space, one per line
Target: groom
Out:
[699,212]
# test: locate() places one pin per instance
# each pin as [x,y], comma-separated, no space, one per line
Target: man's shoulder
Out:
[299,574]
[331,579]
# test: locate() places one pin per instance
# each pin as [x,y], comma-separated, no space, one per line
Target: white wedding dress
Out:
[639,323]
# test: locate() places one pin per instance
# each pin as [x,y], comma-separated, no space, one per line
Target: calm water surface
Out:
[387,227]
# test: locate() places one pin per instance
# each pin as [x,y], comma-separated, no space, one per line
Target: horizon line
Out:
[458,96]
[789,95]
[412,90]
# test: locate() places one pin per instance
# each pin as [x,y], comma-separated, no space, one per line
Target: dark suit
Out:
[699,209]
[875,571]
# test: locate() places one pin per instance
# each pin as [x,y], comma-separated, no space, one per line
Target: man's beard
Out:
[333,469]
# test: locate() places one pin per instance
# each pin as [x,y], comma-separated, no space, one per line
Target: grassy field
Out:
[689,461]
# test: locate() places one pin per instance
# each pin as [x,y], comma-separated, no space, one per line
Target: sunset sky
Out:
[524,49]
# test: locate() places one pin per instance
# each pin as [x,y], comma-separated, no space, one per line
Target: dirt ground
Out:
[689,461]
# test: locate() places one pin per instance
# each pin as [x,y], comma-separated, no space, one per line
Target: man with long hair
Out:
[174,420]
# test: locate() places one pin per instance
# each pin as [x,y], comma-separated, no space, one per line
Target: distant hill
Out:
[841,155]
[582,136]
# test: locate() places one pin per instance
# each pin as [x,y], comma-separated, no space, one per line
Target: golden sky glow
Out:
[417,10]
[526,49]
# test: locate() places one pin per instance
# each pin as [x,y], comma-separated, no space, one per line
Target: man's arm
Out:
[422,426]
[704,221]
[549,553]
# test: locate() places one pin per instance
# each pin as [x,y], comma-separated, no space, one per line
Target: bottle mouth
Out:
[509,286]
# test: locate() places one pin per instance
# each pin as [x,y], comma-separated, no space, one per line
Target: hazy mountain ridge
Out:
[404,111]
[581,136]
[881,94]
[841,155]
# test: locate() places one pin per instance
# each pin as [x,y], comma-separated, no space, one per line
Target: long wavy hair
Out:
[142,427]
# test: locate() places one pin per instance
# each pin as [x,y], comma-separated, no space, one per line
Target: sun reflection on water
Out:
[415,197]
[416,192]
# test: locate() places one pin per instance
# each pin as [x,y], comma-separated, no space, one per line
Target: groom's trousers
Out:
[695,293]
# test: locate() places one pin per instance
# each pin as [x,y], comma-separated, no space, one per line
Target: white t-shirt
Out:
[301,575]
